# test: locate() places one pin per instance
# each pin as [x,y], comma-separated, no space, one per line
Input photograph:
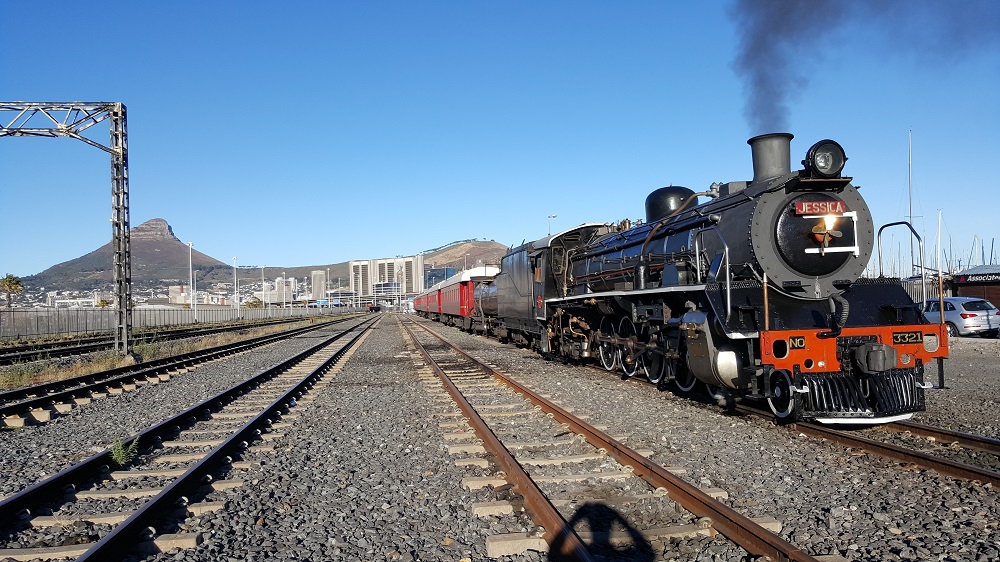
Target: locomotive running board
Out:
[677,289]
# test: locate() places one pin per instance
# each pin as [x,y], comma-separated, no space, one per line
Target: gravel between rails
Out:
[831,500]
[364,475]
[971,399]
[35,452]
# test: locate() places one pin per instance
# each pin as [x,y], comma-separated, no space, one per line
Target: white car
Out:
[965,316]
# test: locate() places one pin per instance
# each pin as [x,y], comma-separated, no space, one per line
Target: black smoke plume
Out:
[782,40]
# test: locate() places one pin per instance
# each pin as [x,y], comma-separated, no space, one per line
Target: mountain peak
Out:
[153,229]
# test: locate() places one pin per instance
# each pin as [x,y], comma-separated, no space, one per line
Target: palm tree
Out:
[11,285]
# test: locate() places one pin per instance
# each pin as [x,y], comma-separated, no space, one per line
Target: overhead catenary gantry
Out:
[71,119]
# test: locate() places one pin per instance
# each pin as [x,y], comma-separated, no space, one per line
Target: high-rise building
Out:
[318,285]
[400,276]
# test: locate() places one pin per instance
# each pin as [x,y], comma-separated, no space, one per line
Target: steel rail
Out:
[732,524]
[125,536]
[970,440]
[557,530]
[938,464]
[78,346]
[887,450]
[52,488]
[22,400]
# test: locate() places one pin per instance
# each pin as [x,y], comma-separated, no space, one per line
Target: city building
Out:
[387,277]
[319,285]
[282,293]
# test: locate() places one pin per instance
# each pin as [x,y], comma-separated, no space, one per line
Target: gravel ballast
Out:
[363,475]
[363,472]
[35,452]
[831,500]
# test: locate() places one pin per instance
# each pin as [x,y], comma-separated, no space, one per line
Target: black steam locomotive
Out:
[758,291]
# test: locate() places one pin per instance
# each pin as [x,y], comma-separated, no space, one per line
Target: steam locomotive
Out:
[756,292]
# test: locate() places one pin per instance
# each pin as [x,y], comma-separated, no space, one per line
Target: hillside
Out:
[159,258]
[481,252]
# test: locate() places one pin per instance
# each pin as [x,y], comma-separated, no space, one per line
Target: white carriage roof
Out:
[471,274]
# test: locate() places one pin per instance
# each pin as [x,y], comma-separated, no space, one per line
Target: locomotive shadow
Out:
[611,536]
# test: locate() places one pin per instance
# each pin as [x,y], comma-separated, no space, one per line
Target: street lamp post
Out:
[263,298]
[284,284]
[236,289]
[190,276]
[550,223]
[326,297]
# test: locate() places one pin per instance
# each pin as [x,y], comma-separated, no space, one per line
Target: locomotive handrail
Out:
[725,259]
[920,242]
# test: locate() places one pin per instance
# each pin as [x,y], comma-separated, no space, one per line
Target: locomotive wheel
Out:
[606,350]
[684,379]
[629,366]
[652,363]
[784,401]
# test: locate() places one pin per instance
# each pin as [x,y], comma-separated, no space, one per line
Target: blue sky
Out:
[309,133]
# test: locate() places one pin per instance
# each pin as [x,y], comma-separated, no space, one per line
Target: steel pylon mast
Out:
[71,119]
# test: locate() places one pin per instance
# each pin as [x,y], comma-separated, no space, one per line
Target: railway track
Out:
[986,472]
[10,355]
[911,456]
[574,511]
[38,403]
[984,468]
[91,512]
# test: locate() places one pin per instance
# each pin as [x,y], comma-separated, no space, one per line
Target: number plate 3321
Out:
[907,337]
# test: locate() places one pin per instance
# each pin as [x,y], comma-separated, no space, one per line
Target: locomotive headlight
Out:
[825,159]
[830,221]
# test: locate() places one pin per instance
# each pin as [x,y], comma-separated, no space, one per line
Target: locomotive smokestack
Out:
[771,155]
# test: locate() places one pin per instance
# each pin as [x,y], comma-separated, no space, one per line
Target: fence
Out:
[912,288]
[33,322]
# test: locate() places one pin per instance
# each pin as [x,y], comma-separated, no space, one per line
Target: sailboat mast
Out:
[909,176]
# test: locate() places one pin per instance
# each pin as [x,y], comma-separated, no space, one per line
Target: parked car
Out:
[965,316]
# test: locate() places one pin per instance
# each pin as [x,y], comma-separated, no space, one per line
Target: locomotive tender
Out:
[757,292]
